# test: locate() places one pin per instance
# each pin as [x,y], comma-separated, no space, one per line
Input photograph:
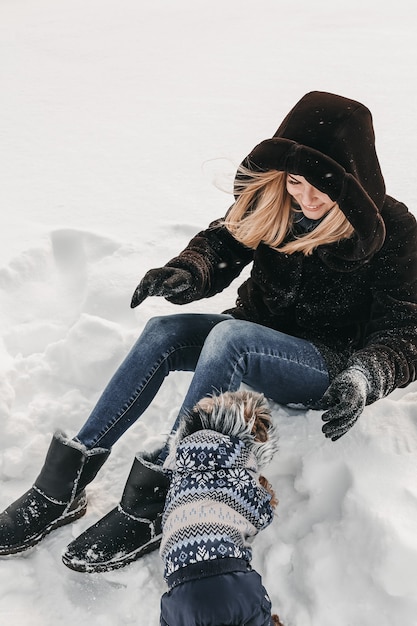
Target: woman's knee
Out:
[159,322]
[162,326]
[227,335]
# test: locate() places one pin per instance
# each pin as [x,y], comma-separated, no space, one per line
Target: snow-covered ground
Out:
[120,124]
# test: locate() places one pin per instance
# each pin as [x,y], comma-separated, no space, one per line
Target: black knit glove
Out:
[345,400]
[163,281]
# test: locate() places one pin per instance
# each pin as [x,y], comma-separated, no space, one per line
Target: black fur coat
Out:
[356,300]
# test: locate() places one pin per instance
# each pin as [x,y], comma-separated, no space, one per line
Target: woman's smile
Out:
[313,203]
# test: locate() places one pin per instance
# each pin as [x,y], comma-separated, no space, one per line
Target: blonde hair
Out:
[263,213]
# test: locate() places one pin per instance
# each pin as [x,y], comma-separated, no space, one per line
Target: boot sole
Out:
[61,521]
[112,564]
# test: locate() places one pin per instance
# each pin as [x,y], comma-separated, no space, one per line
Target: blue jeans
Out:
[222,352]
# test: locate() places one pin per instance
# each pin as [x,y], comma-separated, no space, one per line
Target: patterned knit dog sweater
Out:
[215,504]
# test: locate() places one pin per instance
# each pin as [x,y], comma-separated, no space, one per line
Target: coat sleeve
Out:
[214,258]
[389,355]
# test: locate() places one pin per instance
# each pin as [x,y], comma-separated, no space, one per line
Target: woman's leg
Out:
[285,369]
[223,355]
[167,343]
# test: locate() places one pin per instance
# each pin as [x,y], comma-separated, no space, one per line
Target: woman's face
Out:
[313,203]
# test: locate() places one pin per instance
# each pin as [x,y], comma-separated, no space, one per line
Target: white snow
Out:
[119,120]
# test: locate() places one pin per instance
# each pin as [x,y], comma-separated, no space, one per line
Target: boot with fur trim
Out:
[130,530]
[56,498]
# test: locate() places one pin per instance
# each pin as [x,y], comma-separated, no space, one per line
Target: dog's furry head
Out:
[242,414]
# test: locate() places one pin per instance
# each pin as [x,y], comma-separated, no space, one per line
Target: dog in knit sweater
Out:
[217,502]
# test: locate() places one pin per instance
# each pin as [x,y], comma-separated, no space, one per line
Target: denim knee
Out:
[222,336]
[160,324]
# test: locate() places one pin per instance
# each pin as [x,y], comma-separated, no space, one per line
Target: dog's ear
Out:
[268,487]
[257,411]
[191,422]
[260,429]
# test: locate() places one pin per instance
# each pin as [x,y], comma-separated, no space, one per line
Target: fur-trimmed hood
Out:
[330,141]
[227,414]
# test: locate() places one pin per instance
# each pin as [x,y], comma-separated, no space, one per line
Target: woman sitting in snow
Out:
[327,318]
[216,504]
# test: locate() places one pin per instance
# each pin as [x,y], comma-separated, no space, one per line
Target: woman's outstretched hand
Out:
[163,281]
[345,400]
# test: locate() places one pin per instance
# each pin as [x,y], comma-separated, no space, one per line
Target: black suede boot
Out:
[130,530]
[56,498]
